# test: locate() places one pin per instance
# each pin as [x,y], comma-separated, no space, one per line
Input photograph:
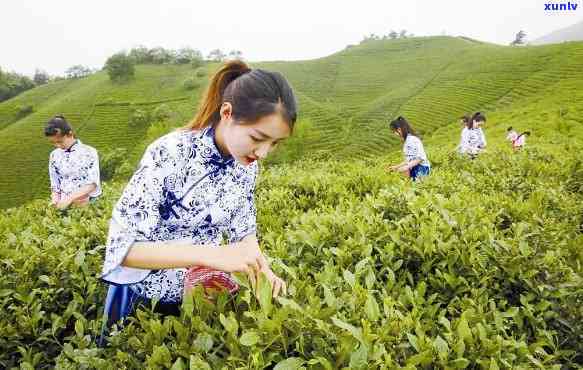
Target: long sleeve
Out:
[93,174]
[464,141]
[135,217]
[54,175]
[482,139]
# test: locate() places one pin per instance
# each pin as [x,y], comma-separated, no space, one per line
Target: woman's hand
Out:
[277,284]
[244,256]
[403,169]
[255,263]
[63,204]
[81,202]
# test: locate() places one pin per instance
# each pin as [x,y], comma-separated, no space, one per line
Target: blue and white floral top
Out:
[70,169]
[473,140]
[183,189]
[413,149]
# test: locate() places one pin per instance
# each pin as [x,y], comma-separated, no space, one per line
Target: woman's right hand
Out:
[244,256]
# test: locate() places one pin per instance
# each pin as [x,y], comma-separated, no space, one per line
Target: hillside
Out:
[572,33]
[345,100]
[479,266]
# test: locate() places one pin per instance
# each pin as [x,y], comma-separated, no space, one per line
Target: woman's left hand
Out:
[63,204]
[403,169]
[277,284]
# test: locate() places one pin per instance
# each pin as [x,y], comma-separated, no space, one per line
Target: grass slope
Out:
[345,100]
[478,266]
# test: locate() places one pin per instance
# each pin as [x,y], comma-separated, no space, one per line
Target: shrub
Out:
[24,110]
[162,112]
[110,162]
[139,117]
[120,67]
[190,83]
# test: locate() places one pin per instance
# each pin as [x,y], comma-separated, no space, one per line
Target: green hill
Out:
[478,266]
[345,100]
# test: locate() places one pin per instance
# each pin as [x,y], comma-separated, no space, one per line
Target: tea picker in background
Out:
[465,124]
[73,166]
[521,140]
[473,139]
[416,164]
[517,140]
[511,134]
[188,213]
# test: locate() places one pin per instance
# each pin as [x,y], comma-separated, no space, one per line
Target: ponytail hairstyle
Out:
[466,120]
[58,125]
[477,117]
[509,129]
[401,123]
[253,94]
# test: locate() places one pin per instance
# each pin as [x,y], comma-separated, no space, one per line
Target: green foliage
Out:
[120,67]
[200,72]
[100,113]
[12,84]
[188,55]
[112,163]
[77,71]
[40,77]
[139,117]
[347,98]
[190,83]
[24,111]
[162,112]
[477,266]
[197,63]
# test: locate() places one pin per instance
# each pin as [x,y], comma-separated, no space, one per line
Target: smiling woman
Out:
[192,187]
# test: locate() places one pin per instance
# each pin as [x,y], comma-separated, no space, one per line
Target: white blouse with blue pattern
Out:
[413,149]
[70,169]
[183,189]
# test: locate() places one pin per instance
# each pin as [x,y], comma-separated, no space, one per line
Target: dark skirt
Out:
[419,171]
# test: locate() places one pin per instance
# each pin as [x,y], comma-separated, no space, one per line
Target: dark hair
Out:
[58,125]
[406,129]
[509,128]
[253,93]
[479,117]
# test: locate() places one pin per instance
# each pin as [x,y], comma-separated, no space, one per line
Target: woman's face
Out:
[398,133]
[247,143]
[62,141]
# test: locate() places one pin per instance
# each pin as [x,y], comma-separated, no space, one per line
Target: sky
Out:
[54,35]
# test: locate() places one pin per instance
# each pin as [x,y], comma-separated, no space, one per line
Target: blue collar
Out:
[70,149]
[214,157]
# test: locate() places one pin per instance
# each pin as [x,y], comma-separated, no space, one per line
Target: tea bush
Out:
[478,266]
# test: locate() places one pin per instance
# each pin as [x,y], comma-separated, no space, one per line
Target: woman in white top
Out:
[416,164]
[520,140]
[511,134]
[473,139]
[191,201]
[73,166]
[465,124]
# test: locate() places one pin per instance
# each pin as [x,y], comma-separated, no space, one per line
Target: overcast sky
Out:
[54,35]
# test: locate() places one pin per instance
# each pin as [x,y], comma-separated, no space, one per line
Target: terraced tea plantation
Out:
[345,99]
[479,266]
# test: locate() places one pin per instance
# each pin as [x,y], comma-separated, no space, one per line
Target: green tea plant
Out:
[477,266]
